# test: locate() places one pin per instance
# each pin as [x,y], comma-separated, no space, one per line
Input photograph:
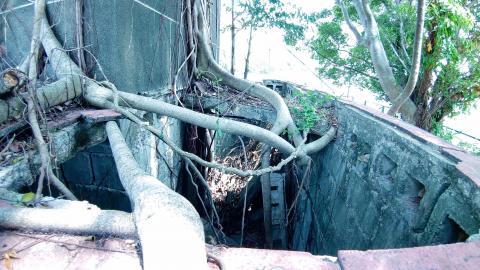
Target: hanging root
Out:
[46,167]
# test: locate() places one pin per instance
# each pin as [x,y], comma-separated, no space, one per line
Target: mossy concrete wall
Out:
[386,184]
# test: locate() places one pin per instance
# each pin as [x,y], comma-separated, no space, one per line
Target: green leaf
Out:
[28,197]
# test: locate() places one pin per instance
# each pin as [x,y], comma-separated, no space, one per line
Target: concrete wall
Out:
[386,184]
[139,46]
[381,184]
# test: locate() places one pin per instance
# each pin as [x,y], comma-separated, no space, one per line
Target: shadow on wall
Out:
[92,176]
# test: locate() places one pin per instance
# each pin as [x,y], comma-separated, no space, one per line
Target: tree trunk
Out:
[415,68]
[232,29]
[423,118]
[249,51]
[371,40]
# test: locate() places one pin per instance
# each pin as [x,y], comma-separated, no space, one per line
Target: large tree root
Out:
[64,216]
[84,222]
[169,228]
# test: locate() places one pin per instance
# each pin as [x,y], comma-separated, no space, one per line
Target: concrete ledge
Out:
[467,164]
[442,257]
[77,252]
[246,258]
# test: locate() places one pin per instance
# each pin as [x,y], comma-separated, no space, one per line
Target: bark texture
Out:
[169,228]
[370,38]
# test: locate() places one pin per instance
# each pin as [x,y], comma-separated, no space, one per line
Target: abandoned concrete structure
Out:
[405,196]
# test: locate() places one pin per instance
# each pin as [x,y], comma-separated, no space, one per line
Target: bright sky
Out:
[272,59]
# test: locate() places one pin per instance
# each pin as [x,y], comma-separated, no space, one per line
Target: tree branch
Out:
[395,52]
[346,16]
[403,42]
[85,221]
[380,60]
[417,52]
[46,168]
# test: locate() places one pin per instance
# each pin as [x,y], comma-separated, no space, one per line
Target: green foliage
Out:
[447,134]
[450,51]
[306,108]
[274,14]
[475,150]
[443,132]
[27,197]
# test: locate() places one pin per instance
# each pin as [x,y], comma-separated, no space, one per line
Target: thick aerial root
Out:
[100,96]
[169,228]
[208,67]
[46,168]
[78,221]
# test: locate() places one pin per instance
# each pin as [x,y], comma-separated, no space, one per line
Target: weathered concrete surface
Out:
[38,251]
[386,184]
[246,258]
[92,176]
[68,135]
[442,257]
[381,184]
[138,44]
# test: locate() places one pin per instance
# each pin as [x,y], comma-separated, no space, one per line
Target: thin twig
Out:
[246,192]
[7,146]
[306,174]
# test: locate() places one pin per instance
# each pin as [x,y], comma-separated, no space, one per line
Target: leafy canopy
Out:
[450,51]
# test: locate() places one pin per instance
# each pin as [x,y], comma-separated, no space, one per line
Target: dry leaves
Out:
[8,259]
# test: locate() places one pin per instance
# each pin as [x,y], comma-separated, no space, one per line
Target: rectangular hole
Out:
[277,243]
[456,233]
[273,188]
[419,191]
[275,204]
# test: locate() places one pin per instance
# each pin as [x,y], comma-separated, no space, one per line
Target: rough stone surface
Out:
[245,258]
[67,252]
[65,143]
[442,257]
[381,184]
[384,185]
